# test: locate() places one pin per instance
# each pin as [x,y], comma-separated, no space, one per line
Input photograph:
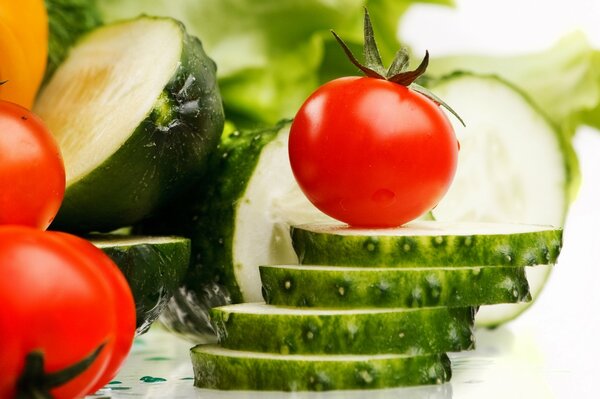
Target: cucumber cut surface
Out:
[225,369]
[264,328]
[356,287]
[428,243]
[153,266]
[135,109]
[514,166]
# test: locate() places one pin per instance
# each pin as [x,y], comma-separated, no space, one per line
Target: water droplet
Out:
[150,379]
[383,196]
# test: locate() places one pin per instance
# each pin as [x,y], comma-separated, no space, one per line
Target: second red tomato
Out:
[372,153]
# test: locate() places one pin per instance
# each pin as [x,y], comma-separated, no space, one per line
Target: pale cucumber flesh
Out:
[512,166]
[104,94]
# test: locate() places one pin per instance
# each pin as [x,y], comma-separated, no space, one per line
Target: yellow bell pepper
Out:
[23,49]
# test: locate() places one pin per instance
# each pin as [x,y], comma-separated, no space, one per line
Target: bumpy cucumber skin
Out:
[165,155]
[236,373]
[153,271]
[522,249]
[409,288]
[207,215]
[423,331]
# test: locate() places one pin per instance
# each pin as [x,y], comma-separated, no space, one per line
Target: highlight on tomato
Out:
[374,151]
[68,316]
[32,173]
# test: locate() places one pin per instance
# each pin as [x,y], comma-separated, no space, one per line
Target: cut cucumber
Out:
[428,243]
[153,266]
[264,328]
[514,166]
[226,369]
[356,287]
[136,110]
[238,218]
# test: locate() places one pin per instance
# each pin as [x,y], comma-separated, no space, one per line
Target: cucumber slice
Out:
[226,369]
[136,110]
[153,266]
[514,166]
[259,327]
[358,287]
[428,243]
[238,218]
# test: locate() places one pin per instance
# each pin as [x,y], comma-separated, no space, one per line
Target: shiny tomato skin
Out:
[372,153]
[126,322]
[32,173]
[59,301]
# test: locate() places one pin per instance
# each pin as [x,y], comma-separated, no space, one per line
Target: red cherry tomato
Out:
[32,174]
[60,308]
[372,153]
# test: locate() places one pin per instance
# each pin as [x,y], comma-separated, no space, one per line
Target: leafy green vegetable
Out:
[67,20]
[272,54]
[564,80]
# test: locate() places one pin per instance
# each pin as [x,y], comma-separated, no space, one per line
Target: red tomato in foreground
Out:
[372,153]
[62,301]
[32,174]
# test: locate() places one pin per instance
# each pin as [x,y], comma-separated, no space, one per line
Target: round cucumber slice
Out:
[359,287]
[514,166]
[259,327]
[226,369]
[428,243]
[136,110]
[153,266]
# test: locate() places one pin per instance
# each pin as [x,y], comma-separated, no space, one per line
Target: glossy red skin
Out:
[125,312]
[372,153]
[32,173]
[59,300]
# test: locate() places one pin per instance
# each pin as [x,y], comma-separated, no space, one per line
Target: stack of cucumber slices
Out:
[371,308]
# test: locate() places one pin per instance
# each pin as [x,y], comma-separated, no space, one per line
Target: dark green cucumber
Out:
[153,266]
[264,328]
[136,111]
[428,243]
[225,369]
[355,287]
[237,218]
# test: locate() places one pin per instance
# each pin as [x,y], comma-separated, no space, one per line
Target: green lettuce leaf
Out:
[271,54]
[564,81]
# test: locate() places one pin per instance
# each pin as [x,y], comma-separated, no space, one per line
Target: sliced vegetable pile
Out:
[392,306]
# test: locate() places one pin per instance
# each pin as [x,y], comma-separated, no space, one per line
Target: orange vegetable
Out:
[23,49]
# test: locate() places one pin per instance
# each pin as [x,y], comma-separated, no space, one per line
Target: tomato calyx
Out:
[397,72]
[34,383]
